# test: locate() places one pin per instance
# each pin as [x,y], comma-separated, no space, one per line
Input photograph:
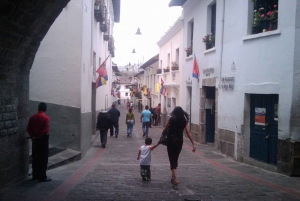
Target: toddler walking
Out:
[144,155]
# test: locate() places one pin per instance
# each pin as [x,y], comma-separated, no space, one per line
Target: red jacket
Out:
[38,125]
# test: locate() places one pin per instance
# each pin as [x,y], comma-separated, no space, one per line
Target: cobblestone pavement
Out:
[113,174]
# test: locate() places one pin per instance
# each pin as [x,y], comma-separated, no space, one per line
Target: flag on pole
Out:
[195,68]
[157,87]
[163,90]
[102,78]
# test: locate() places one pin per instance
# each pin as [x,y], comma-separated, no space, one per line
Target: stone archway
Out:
[23,25]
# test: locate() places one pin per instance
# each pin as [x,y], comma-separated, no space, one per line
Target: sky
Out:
[153,17]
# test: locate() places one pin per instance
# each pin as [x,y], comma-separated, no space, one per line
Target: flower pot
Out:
[106,37]
[208,46]
[256,30]
[175,68]
[103,27]
[166,70]
[273,26]
[158,71]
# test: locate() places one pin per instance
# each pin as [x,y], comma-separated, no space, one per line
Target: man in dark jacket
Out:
[103,124]
[114,119]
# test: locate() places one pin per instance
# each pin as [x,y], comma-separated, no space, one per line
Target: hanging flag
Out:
[162,82]
[102,78]
[195,68]
[157,87]
[145,91]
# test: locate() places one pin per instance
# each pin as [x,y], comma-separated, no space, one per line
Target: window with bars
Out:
[265,17]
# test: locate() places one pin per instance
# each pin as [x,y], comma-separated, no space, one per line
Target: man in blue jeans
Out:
[114,120]
[146,119]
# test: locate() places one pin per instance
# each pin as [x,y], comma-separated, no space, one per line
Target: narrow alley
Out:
[113,174]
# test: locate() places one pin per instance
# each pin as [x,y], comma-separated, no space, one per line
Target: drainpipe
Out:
[222,41]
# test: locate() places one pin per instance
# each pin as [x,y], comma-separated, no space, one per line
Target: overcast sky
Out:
[153,17]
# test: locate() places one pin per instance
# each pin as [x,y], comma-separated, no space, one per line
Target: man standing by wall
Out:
[158,112]
[38,130]
[114,118]
[146,119]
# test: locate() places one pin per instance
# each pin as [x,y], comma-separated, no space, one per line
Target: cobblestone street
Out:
[113,174]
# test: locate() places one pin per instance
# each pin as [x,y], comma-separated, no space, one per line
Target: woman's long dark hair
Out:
[179,116]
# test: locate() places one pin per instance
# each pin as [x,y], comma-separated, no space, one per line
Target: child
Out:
[144,155]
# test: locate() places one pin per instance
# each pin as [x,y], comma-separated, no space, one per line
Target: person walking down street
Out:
[114,120]
[38,130]
[103,124]
[177,123]
[130,121]
[146,119]
[158,113]
[154,117]
[144,155]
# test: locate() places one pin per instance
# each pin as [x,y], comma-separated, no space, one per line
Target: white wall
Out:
[261,65]
[55,73]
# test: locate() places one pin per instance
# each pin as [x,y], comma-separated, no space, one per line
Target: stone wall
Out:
[226,142]
[288,161]
[23,25]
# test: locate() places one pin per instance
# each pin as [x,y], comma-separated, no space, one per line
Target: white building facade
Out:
[171,52]
[247,99]
[64,71]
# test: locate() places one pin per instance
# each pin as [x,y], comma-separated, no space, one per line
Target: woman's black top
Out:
[176,129]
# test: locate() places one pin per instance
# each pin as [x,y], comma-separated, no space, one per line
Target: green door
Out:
[264,127]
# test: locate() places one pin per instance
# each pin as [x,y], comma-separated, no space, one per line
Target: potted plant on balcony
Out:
[272,16]
[103,26]
[159,71]
[167,69]
[209,41]
[174,66]
[106,37]
[189,51]
[259,17]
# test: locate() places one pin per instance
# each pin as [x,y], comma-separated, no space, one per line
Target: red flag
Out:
[162,82]
[195,68]
[102,71]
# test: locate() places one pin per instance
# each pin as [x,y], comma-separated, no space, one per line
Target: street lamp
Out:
[138,32]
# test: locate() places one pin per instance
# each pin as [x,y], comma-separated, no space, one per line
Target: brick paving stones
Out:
[112,174]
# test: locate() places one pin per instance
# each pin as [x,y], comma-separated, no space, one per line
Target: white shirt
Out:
[145,157]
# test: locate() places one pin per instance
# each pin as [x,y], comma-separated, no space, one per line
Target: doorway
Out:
[210,114]
[264,127]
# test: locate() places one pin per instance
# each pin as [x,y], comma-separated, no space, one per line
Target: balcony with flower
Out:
[174,66]
[209,41]
[265,19]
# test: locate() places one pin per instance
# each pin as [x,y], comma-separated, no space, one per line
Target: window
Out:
[177,56]
[190,32]
[213,20]
[126,94]
[168,60]
[209,38]
[265,15]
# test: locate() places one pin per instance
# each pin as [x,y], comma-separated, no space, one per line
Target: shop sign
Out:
[227,83]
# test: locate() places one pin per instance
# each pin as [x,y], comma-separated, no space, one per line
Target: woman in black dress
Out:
[177,123]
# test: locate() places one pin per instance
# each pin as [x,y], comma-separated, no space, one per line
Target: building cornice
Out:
[171,32]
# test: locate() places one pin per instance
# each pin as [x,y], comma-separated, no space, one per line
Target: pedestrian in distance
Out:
[144,155]
[130,121]
[114,120]
[103,124]
[158,113]
[146,119]
[154,117]
[177,123]
[38,129]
